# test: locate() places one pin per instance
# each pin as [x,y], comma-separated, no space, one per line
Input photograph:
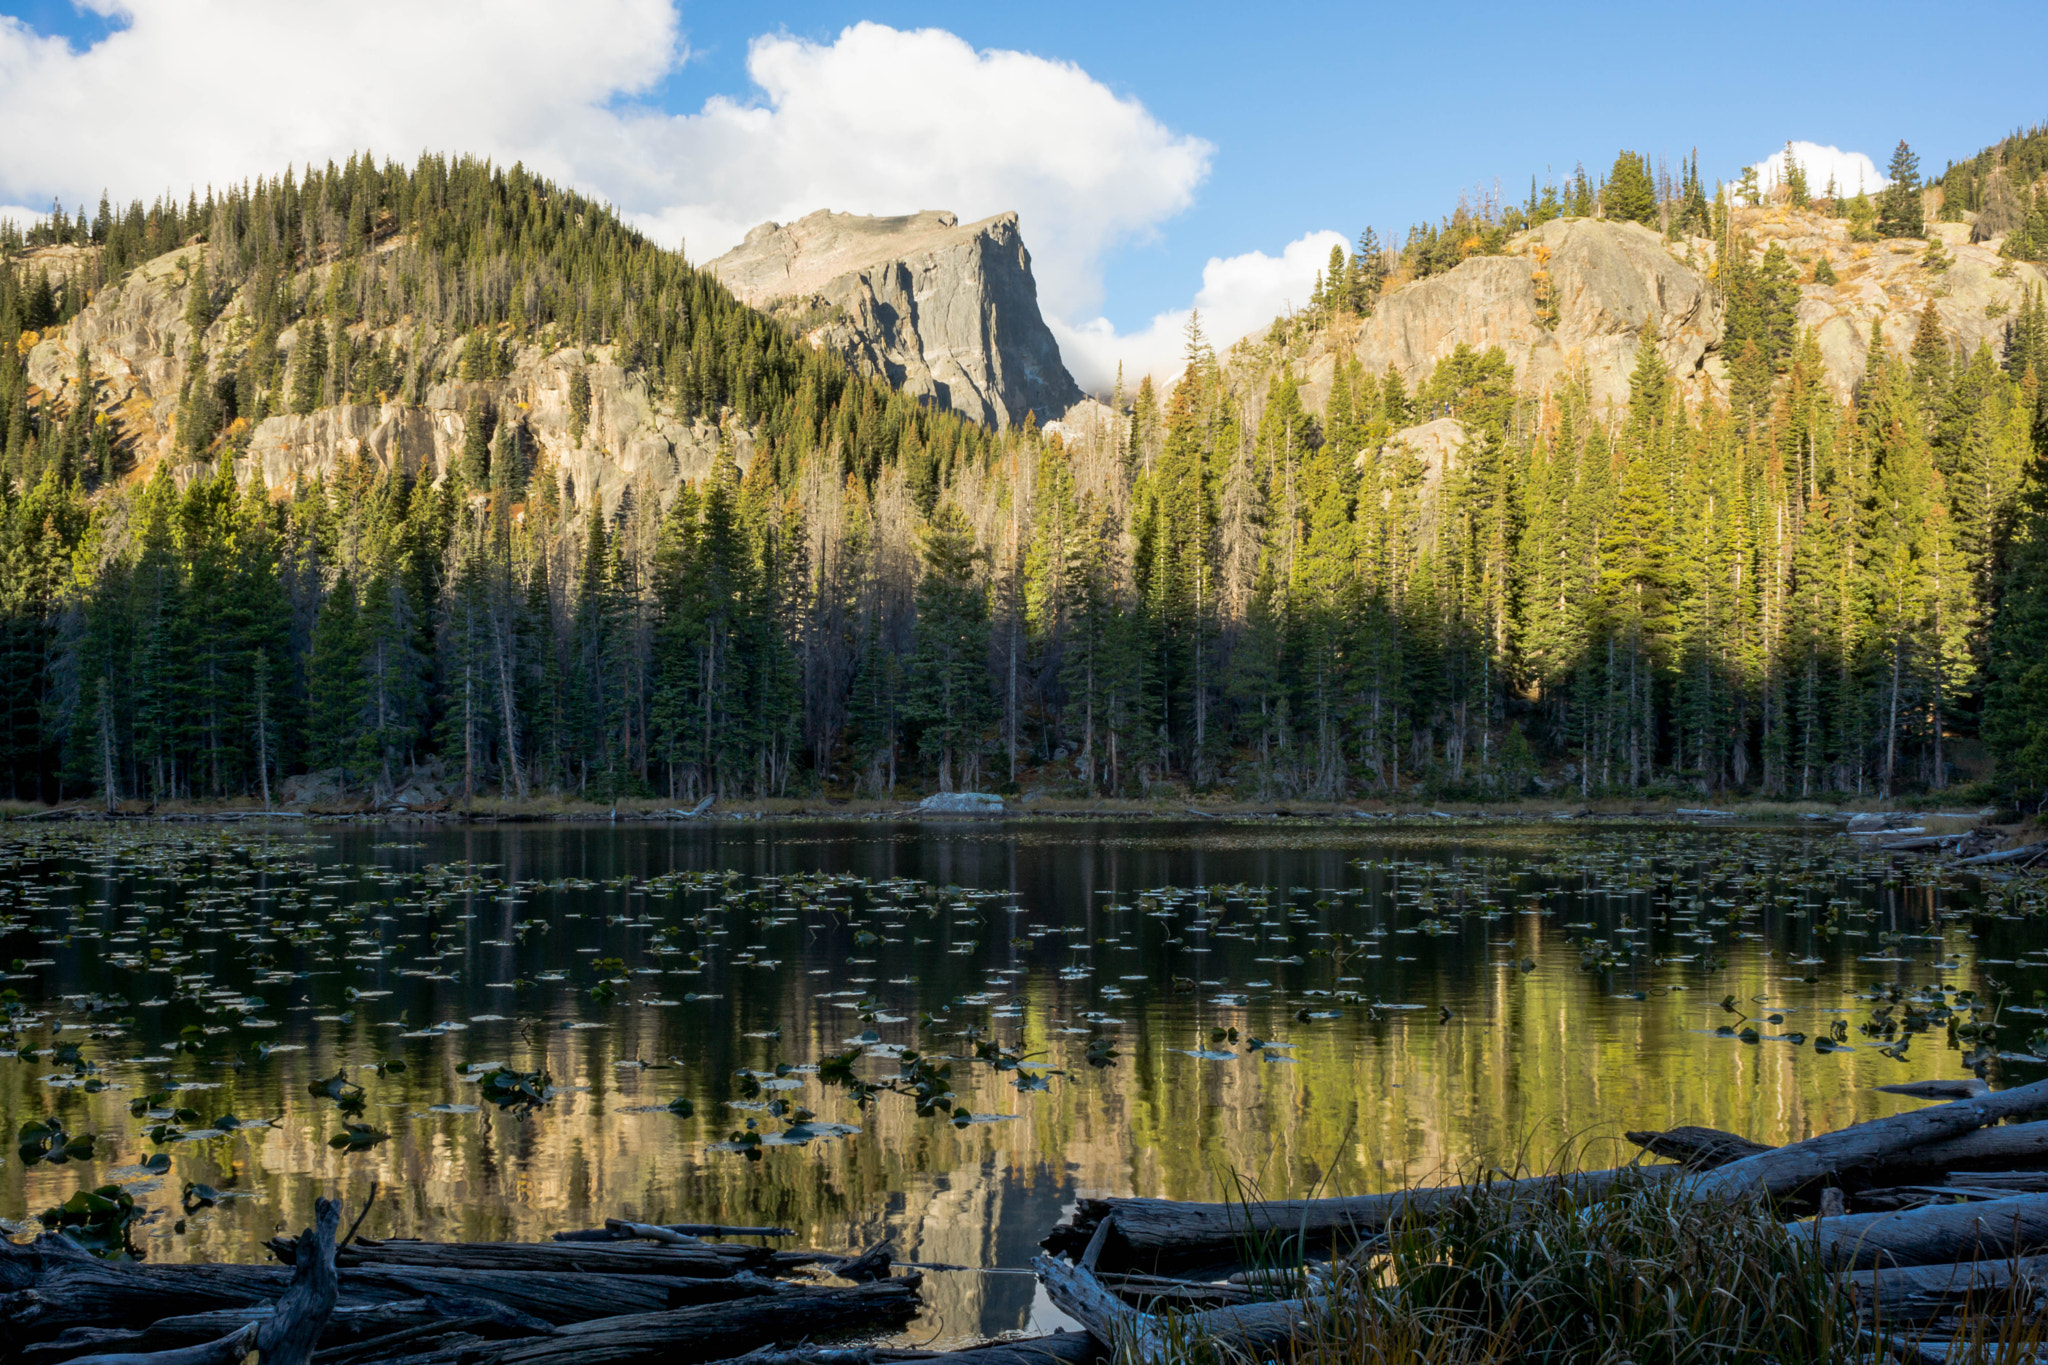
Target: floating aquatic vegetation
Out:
[46,1140]
[100,1220]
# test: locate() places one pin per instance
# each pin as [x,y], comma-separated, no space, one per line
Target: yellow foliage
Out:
[26,342]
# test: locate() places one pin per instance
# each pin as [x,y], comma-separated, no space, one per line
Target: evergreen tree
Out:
[1631,196]
[946,685]
[1899,212]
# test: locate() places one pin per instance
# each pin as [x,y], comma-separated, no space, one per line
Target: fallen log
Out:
[1697,1149]
[1153,1292]
[692,1336]
[607,1234]
[1785,1170]
[700,1260]
[869,1266]
[351,1324]
[287,1336]
[1935,1235]
[2000,1146]
[1966,1087]
[1917,1293]
[55,1289]
[1158,1234]
[1997,1146]
[1256,1331]
[1895,1197]
[2006,855]
[229,1350]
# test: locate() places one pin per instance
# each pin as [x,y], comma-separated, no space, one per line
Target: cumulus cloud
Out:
[196,92]
[187,93]
[1850,171]
[1239,295]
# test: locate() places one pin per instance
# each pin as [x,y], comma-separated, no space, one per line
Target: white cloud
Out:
[193,92]
[880,120]
[885,121]
[1239,295]
[1851,171]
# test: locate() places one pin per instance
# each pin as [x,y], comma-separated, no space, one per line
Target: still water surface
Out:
[1422,999]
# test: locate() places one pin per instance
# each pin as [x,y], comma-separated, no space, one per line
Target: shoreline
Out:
[1876,816]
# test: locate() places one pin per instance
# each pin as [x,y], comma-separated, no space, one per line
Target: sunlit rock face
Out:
[945,311]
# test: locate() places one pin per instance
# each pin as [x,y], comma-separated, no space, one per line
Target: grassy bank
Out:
[1650,1273]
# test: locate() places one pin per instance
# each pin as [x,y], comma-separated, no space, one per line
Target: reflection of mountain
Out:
[1529,1063]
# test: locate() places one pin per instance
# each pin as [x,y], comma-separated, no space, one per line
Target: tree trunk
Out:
[290,1334]
[1787,1169]
[1991,1230]
[228,1350]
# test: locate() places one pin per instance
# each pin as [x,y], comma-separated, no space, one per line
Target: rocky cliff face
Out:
[945,311]
[1580,292]
[139,345]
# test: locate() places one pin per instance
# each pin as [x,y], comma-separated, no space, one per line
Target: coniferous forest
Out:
[1218,586]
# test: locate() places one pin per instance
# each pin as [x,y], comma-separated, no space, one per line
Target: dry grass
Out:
[1647,1276]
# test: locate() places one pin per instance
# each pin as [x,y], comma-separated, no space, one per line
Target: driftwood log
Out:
[1786,1170]
[1697,1149]
[1919,1293]
[691,1336]
[288,1335]
[612,1231]
[1255,1331]
[700,1260]
[2000,1147]
[50,1286]
[1935,1235]
[228,1350]
[1159,1234]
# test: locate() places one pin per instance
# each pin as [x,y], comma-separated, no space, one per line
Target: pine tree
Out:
[946,685]
[1631,196]
[309,368]
[1899,211]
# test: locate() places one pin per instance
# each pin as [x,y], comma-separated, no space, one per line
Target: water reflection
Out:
[1431,1000]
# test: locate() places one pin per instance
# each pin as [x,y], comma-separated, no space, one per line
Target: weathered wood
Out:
[228,1350]
[652,1232]
[701,1261]
[2017,1226]
[1962,1088]
[1697,1149]
[1160,1234]
[63,1291]
[870,1265]
[605,1234]
[1121,1330]
[78,1341]
[287,1336]
[1154,1292]
[691,1336]
[1893,1197]
[350,1323]
[2005,1145]
[2008,855]
[1255,1331]
[1914,1293]
[1786,1170]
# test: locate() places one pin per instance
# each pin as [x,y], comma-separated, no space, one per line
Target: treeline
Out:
[1225,588]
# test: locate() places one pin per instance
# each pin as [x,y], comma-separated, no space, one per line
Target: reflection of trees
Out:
[1531,1061]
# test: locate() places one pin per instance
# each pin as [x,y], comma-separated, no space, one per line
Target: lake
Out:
[1190,1010]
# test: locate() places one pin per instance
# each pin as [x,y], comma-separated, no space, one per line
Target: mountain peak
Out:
[946,311]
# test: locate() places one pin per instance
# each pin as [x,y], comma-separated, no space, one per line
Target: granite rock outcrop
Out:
[943,310]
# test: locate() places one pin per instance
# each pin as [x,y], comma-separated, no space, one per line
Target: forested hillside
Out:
[1246,581]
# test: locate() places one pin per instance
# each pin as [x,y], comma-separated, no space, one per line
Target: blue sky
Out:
[1273,123]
